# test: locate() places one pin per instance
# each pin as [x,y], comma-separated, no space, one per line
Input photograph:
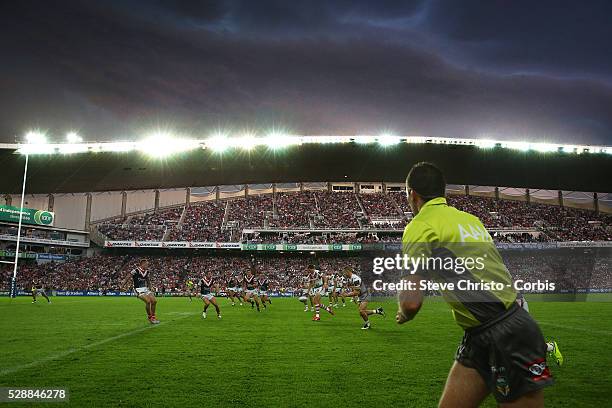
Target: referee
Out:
[502,351]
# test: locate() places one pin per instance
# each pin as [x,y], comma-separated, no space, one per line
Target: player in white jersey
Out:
[302,291]
[359,290]
[340,286]
[317,286]
[332,282]
[142,284]
[306,293]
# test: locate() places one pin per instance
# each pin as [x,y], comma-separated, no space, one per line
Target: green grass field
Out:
[106,353]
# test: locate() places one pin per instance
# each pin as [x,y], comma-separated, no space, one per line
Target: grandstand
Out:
[320,215]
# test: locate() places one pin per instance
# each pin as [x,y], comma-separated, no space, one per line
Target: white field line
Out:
[68,352]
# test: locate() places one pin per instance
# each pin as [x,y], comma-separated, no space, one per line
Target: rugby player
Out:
[232,288]
[304,296]
[249,286]
[263,284]
[359,290]
[340,281]
[190,286]
[39,289]
[207,284]
[142,282]
[317,287]
[331,288]
[502,351]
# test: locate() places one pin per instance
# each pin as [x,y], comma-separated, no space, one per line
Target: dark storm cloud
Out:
[112,70]
[565,38]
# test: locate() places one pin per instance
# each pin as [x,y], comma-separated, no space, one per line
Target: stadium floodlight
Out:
[117,147]
[363,139]
[36,137]
[386,140]
[544,147]
[72,148]
[275,140]
[247,141]
[30,149]
[219,142]
[522,146]
[73,137]
[162,144]
[486,143]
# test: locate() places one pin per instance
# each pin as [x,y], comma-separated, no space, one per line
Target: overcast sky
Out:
[534,70]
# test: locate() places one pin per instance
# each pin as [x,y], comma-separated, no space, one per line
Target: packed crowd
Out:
[571,269]
[304,237]
[127,232]
[514,237]
[327,210]
[293,210]
[336,210]
[380,205]
[251,211]
[202,222]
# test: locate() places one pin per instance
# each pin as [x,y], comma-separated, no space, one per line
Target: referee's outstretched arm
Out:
[409,300]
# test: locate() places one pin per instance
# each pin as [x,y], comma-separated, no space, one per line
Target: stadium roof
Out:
[82,167]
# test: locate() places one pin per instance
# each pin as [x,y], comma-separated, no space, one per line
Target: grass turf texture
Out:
[106,353]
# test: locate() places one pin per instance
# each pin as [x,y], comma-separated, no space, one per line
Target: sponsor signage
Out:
[172,244]
[302,247]
[389,246]
[29,215]
[51,257]
[9,237]
[11,254]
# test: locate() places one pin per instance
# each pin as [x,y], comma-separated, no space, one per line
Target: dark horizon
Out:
[491,69]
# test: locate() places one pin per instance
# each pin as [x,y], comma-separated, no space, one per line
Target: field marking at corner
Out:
[86,347]
[564,326]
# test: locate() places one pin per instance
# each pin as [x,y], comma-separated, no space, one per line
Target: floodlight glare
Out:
[117,147]
[544,147]
[388,140]
[70,148]
[277,141]
[218,143]
[247,142]
[35,137]
[73,137]
[485,144]
[36,148]
[363,140]
[522,146]
[162,144]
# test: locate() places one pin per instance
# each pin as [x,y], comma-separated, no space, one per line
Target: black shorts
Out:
[509,353]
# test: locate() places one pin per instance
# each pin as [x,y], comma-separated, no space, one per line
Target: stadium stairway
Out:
[96,236]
